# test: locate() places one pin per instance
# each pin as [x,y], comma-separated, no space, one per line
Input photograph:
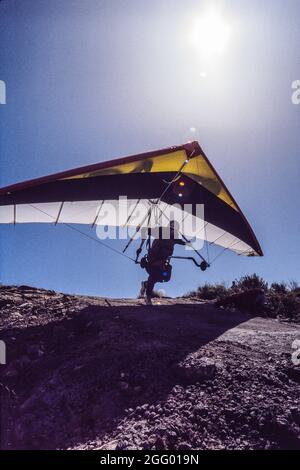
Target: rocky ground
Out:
[91,373]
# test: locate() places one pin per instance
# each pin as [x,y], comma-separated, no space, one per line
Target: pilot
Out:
[158,266]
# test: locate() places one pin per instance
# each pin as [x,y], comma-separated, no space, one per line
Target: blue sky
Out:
[90,81]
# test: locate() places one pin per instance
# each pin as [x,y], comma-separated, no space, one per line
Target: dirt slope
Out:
[89,373]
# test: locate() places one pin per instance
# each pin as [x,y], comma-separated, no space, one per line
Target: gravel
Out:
[87,373]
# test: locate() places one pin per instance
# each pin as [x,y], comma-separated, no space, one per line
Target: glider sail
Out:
[181,176]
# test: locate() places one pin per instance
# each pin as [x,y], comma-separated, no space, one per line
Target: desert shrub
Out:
[279,287]
[283,305]
[272,304]
[211,291]
[282,300]
[190,293]
[252,281]
[294,286]
[290,306]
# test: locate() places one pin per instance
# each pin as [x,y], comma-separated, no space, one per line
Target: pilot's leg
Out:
[143,289]
[149,288]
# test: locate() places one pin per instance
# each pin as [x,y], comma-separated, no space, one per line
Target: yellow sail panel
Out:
[162,163]
[197,168]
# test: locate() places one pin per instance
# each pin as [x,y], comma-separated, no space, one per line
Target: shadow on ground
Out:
[74,379]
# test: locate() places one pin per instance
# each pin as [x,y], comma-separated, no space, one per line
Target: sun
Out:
[209,33]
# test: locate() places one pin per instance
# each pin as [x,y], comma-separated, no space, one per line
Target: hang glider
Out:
[181,176]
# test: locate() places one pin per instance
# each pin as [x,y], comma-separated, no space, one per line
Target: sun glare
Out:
[209,33]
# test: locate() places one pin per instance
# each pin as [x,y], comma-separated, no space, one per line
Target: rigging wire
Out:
[206,242]
[235,241]
[137,229]
[185,162]
[86,235]
[152,206]
[218,238]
